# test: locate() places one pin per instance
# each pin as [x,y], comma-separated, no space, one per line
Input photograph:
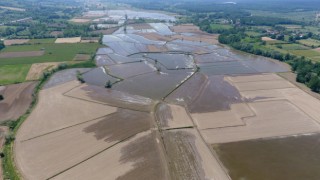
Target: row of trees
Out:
[42,30]
[307,71]
[1,45]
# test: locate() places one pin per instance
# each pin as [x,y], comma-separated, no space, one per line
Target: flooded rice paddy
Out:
[99,77]
[157,74]
[120,14]
[181,106]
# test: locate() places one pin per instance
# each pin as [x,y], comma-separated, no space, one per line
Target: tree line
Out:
[1,45]
[307,71]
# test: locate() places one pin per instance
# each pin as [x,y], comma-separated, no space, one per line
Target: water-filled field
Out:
[180,106]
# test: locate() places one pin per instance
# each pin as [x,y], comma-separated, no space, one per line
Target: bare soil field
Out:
[171,116]
[267,39]
[279,109]
[85,129]
[141,26]
[211,39]
[263,85]
[127,160]
[76,20]
[232,117]
[106,31]
[82,57]
[190,158]
[21,54]
[17,99]
[90,41]
[154,48]
[255,78]
[68,40]
[186,28]
[272,119]
[10,42]
[60,111]
[269,158]
[78,142]
[37,69]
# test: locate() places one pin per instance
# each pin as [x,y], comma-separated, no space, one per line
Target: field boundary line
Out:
[107,104]
[67,127]
[179,85]
[267,89]
[213,153]
[99,152]
[101,103]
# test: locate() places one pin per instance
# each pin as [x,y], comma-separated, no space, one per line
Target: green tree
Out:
[314,84]
[108,84]
[1,45]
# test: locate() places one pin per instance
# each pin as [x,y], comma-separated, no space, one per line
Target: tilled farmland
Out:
[165,102]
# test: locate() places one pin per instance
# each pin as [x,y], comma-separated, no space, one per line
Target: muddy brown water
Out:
[64,76]
[103,60]
[226,68]
[120,125]
[290,158]
[153,85]
[131,69]
[145,152]
[172,61]
[216,95]
[186,93]
[117,98]
[225,61]
[98,77]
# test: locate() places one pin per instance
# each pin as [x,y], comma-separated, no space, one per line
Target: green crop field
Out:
[311,54]
[13,73]
[272,47]
[296,16]
[310,42]
[294,47]
[53,52]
